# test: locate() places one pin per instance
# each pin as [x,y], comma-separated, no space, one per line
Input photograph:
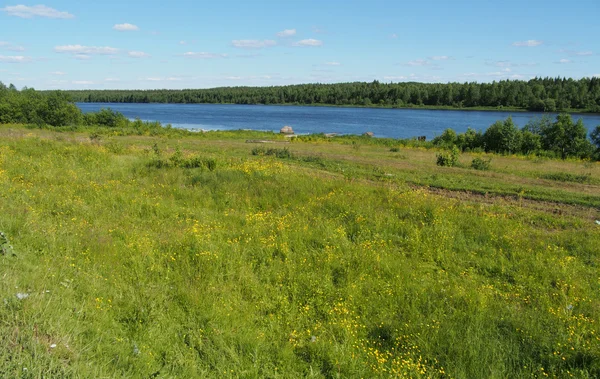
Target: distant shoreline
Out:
[424,107]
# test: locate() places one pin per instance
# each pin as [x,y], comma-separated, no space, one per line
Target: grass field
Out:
[199,255]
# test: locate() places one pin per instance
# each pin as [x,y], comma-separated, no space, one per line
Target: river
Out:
[393,123]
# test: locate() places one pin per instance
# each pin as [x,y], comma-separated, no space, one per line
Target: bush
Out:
[567,177]
[279,153]
[448,159]
[395,149]
[481,164]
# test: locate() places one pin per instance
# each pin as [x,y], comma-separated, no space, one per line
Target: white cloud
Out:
[507,63]
[528,43]
[59,73]
[596,75]
[253,43]
[395,77]
[159,79]
[126,27]
[25,11]
[287,33]
[417,62]
[182,42]
[333,63]
[309,42]
[233,77]
[576,53]
[203,55]
[10,46]
[246,55]
[79,49]
[112,80]
[394,35]
[82,57]
[440,58]
[564,61]
[14,59]
[138,54]
[82,82]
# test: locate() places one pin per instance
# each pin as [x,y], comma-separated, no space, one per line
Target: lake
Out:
[393,123]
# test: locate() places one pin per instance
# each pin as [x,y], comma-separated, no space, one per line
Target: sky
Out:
[67,44]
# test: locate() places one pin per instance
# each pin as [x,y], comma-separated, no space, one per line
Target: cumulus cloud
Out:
[203,55]
[286,33]
[309,42]
[440,58]
[59,73]
[82,82]
[161,79]
[112,80]
[79,49]
[401,77]
[253,43]
[394,35]
[126,27]
[528,43]
[333,63]
[576,53]
[14,59]
[564,61]
[25,11]
[138,54]
[417,62]
[82,57]
[10,46]
[507,63]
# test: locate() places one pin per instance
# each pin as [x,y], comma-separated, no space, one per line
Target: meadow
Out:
[179,255]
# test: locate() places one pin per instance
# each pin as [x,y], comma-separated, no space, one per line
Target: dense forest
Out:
[539,94]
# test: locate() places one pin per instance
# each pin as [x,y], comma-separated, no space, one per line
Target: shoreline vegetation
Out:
[133,249]
[538,94]
[562,137]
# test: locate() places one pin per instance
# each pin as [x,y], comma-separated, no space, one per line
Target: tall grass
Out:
[270,267]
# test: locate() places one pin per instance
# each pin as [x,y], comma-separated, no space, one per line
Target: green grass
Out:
[336,259]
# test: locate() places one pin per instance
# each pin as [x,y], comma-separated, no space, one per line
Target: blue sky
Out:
[65,44]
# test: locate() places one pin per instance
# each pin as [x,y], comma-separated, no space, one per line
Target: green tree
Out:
[503,137]
[566,138]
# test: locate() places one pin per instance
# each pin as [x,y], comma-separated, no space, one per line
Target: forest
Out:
[538,94]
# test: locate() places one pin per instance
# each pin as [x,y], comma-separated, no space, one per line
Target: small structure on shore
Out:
[368,134]
[287,130]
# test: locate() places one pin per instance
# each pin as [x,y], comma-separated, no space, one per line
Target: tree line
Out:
[538,94]
[53,108]
[562,138]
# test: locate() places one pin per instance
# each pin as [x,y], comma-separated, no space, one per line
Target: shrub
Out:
[567,177]
[258,151]
[481,164]
[448,159]
[395,149]
[279,153]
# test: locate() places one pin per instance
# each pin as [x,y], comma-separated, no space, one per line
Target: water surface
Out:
[394,123]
